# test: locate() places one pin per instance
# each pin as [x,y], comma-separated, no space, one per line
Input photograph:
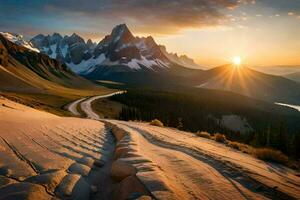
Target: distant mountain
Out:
[251,83]
[279,70]
[122,57]
[180,60]
[118,55]
[23,69]
[293,76]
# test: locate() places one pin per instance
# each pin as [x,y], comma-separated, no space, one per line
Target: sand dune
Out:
[45,156]
[178,165]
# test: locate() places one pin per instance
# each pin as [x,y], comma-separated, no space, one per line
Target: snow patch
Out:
[141,45]
[86,65]
[64,50]
[53,50]
[19,40]
[289,105]
[135,63]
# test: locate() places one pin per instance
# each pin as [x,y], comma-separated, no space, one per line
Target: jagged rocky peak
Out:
[74,38]
[68,49]
[55,38]
[120,48]
[90,44]
[122,33]
[39,41]
[180,60]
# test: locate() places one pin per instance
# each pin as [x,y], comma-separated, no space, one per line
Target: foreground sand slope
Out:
[44,156]
[178,165]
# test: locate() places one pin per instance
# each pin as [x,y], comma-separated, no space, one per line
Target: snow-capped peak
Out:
[121,32]
[19,40]
[118,51]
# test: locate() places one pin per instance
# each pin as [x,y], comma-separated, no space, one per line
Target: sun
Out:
[237,60]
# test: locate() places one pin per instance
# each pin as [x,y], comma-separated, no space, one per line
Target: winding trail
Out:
[85,104]
[178,165]
[72,107]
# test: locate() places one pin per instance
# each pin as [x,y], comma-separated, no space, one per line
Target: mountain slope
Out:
[251,83]
[119,56]
[35,79]
[44,156]
[122,57]
[35,69]
[180,60]
[19,40]
[293,76]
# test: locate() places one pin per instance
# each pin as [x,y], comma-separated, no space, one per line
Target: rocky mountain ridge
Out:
[118,48]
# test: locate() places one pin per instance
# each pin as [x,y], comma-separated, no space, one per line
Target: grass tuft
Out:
[156,122]
[240,146]
[220,138]
[203,134]
[272,155]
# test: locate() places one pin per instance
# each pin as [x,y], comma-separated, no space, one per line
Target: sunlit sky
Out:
[212,32]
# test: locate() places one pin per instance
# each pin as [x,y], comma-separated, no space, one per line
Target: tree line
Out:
[202,111]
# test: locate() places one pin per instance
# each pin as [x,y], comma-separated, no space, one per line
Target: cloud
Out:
[150,15]
[143,16]
[281,5]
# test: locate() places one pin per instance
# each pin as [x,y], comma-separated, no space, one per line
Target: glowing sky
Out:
[262,32]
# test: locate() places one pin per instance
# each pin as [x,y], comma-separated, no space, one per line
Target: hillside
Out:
[122,57]
[33,76]
[293,76]
[250,83]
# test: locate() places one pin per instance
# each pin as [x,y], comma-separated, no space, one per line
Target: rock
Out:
[120,170]
[73,186]
[130,188]
[24,191]
[77,168]
[99,163]
[50,180]
[118,133]
[88,161]
[121,151]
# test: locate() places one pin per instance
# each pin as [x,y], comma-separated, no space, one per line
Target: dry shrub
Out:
[240,146]
[272,155]
[220,138]
[203,134]
[156,122]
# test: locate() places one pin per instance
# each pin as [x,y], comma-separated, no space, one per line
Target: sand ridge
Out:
[43,155]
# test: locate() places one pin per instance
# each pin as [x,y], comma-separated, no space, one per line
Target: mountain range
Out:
[37,79]
[120,49]
[122,57]
[28,74]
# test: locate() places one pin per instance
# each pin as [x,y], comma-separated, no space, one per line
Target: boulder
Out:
[120,170]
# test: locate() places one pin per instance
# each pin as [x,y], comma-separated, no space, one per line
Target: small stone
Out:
[99,163]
